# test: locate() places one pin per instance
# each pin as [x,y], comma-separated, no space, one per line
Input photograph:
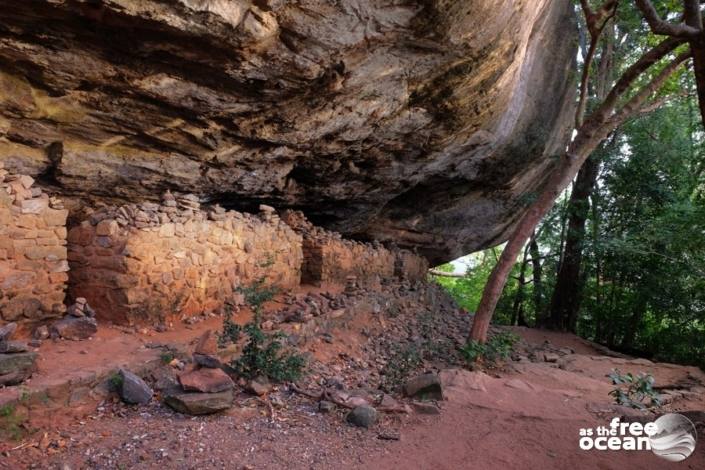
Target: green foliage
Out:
[497,347]
[231,331]
[166,357]
[257,293]
[115,381]
[633,390]
[11,423]
[263,356]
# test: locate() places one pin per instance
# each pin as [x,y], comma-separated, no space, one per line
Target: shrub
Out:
[231,330]
[632,390]
[497,347]
[263,354]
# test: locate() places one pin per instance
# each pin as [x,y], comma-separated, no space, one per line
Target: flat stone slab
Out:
[200,403]
[75,328]
[206,381]
[16,368]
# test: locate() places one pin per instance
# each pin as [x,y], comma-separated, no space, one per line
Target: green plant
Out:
[263,356]
[231,330]
[115,381]
[497,347]
[11,423]
[632,390]
[256,294]
[166,357]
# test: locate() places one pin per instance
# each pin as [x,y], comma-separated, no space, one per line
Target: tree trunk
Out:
[565,301]
[538,281]
[518,307]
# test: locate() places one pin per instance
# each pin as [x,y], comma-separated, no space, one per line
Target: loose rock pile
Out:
[80,323]
[17,363]
[205,388]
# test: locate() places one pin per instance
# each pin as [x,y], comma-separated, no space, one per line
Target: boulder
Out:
[425,386]
[362,416]
[16,368]
[206,381]
[200,403]
[133,389]
[75,328]
[10,347]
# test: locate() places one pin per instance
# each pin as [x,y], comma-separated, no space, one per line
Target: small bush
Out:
[263,356]
[497,347]
[231,330]
[633,390]
[11,423]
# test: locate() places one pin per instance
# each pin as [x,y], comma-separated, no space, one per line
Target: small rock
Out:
[551,357]
[389,436]
[426,386]
[35,343]
[259,386]
[133,389]
[425,408]
[362,416]
[11,347]
[208,361]
[200,403]
[41,333]
[325,406]
[75,328]
[207,344]
[206,381]
[7,331]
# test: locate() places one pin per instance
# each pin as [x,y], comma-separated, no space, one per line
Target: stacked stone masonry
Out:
[33,257]
[328,258]
[151,263]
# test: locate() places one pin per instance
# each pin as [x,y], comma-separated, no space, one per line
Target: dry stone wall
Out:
[33,257]
[149,263]
[328,258]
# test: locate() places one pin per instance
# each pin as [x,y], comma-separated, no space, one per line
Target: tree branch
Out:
[436,272]
[660,26]
[651,57]
[635,105]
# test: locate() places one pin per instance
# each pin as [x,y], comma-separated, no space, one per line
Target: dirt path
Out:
[524,415]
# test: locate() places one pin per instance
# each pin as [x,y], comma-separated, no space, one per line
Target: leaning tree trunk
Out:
[537,273]
[568,290]
[607,116]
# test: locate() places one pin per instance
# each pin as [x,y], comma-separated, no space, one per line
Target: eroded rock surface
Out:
[428,123]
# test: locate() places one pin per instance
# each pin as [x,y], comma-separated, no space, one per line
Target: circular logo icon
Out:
[675,437]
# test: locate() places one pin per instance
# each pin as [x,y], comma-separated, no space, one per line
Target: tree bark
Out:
[537,274]
[567,293]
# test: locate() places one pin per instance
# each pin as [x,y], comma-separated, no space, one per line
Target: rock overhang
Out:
[428,123]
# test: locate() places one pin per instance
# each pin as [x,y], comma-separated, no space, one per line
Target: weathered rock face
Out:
[425,122]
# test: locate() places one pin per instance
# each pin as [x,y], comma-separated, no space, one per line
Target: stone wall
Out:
[150,263]
[33,266]
[410,266]
[328,258]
